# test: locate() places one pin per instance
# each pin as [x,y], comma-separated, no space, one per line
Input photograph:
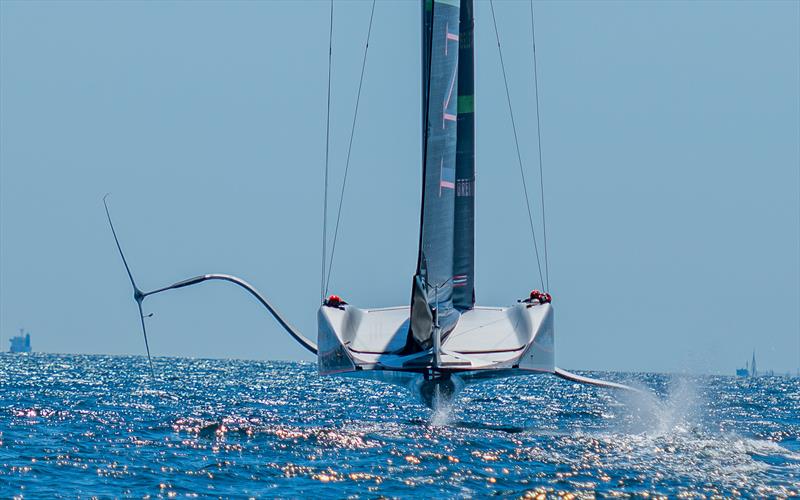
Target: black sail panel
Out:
[434,274]
[464,222]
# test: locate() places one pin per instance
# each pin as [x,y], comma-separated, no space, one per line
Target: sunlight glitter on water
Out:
[97,425]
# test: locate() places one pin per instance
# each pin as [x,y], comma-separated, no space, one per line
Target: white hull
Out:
[486,343]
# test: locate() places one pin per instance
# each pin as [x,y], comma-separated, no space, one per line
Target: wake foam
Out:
[678,411]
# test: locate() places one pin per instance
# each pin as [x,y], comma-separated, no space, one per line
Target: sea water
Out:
[101,426]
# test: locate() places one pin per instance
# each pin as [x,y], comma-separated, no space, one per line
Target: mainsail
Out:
[443,282]
[464,221]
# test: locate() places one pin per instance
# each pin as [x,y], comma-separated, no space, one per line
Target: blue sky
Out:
[671,161]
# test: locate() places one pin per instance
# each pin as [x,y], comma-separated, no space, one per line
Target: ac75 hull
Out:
[486,343]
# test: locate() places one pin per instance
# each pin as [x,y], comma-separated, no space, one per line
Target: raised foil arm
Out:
[299,337]
[139,296]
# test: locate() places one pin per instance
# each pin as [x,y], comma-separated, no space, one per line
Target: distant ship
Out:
[748,370]
[21,343]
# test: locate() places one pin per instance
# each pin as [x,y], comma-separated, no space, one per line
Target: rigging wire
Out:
[539,147]
[327,155]
[516,143]
[349,150]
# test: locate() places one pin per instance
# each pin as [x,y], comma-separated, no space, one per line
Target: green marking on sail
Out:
[466,104]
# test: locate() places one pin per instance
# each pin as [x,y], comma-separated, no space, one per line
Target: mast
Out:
[433,284]
[464,222]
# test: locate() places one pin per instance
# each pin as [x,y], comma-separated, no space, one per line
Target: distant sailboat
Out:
[441,341]
[749,369]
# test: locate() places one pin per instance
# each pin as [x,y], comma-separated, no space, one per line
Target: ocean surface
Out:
[100,426]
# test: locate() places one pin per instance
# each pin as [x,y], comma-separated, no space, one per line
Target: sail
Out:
[464,220]
[433,287]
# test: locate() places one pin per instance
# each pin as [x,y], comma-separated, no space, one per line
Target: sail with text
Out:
[464,220]
[443,283]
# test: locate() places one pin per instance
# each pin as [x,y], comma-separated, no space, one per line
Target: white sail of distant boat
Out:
[440,341]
